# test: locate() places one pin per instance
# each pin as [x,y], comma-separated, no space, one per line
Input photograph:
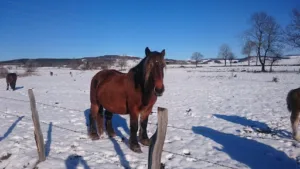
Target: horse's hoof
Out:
[112,134]
[297,137]
[94,136]
[136,148]
[145,142]
[101,132]
[109,128]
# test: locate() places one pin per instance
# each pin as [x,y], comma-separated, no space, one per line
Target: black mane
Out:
[139,81]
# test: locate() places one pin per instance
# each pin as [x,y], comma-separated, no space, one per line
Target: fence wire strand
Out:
[154,124]
[169,126]
[81,132]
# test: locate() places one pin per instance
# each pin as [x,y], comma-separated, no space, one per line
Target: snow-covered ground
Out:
[216,120]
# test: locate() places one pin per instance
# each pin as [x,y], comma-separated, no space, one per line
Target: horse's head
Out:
[154,70]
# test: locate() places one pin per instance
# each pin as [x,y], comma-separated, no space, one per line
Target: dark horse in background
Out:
[11,79]
[132,93]
[293,105]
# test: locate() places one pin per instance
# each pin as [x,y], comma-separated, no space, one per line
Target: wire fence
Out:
[102,156]
[150,123]
[169,126]
[81,132]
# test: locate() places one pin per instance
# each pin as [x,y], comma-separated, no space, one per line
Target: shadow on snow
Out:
[254,154]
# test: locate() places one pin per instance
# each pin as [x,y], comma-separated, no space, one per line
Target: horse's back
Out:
[108,88]
[106,78]
[293,100]
[105,75]
[11,77]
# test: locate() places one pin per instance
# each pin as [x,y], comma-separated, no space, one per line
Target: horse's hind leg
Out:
[295,122]
[133,142]
[99,121]
[96,112]
[13,86]
[92,128]
[108,124]
[143,136]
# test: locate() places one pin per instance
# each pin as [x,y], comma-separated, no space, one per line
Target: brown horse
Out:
[11,79]
[293,105]
[132,93]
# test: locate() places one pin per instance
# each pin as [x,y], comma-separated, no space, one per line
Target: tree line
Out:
[265,38]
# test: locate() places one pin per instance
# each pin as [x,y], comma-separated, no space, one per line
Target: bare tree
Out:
[110,62]
[224,52]
[266,34]
[31,66]
[231,57]
[292,30]
[74,64]
[274,58]
[89,65]
[197,56]
[122,63]
[247,50]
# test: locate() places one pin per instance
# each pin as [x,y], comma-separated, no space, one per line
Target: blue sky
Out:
[77,28]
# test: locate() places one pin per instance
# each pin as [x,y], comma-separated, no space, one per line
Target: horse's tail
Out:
[93,89]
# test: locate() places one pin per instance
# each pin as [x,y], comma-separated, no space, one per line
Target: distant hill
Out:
[50,62]
[111,59]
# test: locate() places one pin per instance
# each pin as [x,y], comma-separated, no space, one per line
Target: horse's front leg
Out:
[133,142]
[143,136]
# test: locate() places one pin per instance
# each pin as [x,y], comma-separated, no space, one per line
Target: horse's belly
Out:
[115,109]
[113,102]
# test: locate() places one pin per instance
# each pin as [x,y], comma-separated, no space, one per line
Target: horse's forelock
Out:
[148,64]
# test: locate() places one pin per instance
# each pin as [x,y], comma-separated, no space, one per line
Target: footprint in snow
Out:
[177,138]
[168,141]
[188,114]
[169,156]
[191,159]
[186,152]
[100,161]
[288,143]
[141,167]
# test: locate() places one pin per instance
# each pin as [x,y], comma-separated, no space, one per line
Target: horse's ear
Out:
[147,51]
[163,52]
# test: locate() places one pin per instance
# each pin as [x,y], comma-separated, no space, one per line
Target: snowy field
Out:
[216,121]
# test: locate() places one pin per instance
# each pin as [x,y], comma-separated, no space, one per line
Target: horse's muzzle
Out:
[159,92]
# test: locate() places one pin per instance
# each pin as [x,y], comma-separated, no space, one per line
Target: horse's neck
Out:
[137,75]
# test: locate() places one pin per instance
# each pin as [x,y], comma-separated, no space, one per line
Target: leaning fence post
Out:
[38,136]
[158,139]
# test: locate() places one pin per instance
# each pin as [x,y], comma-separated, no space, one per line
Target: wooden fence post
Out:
[158,139]
[38,136]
